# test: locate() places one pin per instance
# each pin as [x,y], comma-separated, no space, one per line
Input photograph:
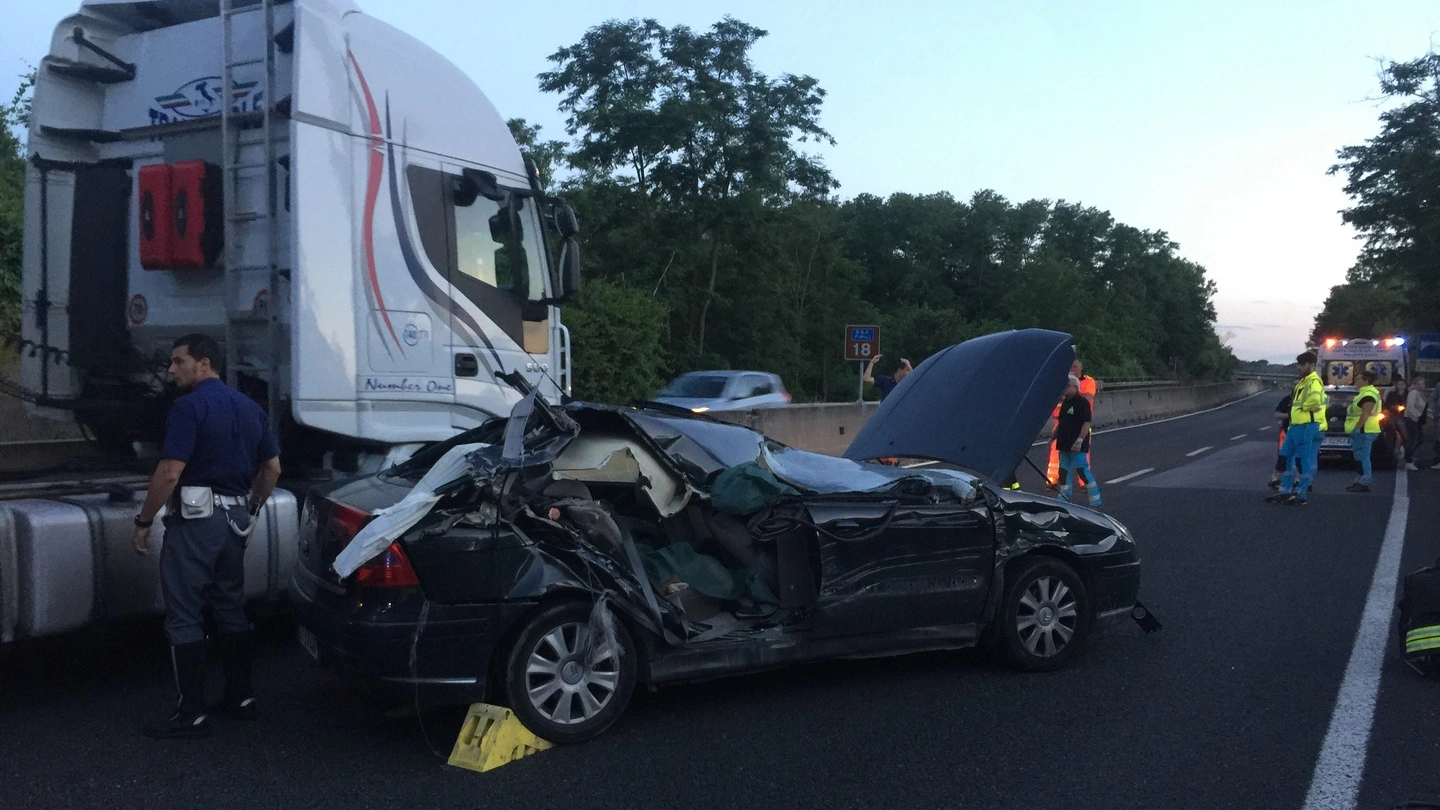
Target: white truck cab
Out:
[330,198]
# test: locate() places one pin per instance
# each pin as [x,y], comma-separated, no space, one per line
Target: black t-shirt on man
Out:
[1074,413]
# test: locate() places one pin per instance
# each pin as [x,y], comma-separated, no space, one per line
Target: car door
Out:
[893,566]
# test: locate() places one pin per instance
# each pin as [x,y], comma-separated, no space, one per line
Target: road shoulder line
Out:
[1341,765]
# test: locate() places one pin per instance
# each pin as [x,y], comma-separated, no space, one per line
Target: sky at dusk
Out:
[1214,122]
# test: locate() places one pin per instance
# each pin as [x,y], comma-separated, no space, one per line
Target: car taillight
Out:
[787,397]
[344,522]
[389,570]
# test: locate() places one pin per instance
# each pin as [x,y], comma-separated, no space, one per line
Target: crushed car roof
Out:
[978,404]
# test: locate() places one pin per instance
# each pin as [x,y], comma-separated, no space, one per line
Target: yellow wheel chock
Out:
[493,736]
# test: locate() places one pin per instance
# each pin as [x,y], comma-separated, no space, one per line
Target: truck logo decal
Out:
[202,97]
[372,193]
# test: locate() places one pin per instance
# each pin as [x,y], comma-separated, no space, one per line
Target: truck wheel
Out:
[566,683]
[1044,618]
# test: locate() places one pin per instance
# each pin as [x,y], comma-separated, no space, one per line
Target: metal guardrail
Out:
[1117,385]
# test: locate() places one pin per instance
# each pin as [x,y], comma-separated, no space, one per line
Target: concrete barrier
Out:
[830,427]
[1127,405]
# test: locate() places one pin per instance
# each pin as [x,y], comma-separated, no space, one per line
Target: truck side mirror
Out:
[569,269]
[565,221]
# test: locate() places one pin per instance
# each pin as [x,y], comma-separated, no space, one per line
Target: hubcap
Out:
[1047,617]
[571,676]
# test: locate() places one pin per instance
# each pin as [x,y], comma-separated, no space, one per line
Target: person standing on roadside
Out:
[1088,388]
[886,385]
[882,382]
[1362,422]
[219,465]
[1282,416]
[1302,439]
[1417,404]
[1072,435]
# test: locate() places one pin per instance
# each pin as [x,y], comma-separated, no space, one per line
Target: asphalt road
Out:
[1229,706]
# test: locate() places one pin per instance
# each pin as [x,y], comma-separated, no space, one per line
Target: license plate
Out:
[307,640]
[1336,441]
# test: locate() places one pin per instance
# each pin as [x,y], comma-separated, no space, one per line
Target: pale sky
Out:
[1212,121]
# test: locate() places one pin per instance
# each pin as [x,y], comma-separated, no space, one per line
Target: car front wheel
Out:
[1045,616]
[566,681]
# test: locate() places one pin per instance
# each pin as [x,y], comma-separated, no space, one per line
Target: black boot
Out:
[187,719]
[237,652]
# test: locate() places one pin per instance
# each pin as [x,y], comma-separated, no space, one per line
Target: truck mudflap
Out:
[66,562]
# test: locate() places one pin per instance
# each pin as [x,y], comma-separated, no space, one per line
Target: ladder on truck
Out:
[253,336]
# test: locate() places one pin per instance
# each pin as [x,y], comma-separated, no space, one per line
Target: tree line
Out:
[714,239]
[1393,180]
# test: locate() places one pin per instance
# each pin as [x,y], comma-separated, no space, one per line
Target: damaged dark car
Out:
[555,559]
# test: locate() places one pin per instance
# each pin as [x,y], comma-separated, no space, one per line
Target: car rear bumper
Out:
[409,647]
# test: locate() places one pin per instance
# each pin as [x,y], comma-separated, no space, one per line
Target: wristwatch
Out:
[144,524]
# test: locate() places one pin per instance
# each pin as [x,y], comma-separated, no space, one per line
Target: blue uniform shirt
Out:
[221,435]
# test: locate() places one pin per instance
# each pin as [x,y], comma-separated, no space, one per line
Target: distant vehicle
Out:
[1384,454]
[703,391]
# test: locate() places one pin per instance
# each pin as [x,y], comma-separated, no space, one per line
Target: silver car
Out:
[703,391]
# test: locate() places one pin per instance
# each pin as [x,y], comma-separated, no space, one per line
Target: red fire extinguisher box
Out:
[155,217]
[196,226]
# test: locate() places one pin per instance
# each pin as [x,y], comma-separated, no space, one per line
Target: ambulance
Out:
[1338,361]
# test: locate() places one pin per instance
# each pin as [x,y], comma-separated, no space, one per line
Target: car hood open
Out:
[978,404]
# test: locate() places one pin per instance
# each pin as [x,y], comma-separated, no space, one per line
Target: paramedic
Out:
[1302,439]
[220,455]
[1362,422]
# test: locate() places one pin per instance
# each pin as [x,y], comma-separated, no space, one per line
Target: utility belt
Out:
[198,503]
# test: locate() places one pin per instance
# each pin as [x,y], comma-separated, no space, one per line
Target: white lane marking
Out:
[919,464]
[1166,419]
[1131,475]
[1341,764]
[1197,452]
[1266,427]
[1241,436]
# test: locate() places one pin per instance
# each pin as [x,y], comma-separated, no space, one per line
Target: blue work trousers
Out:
[1073,466]
[1360,444]
[1302,454]
[202,565]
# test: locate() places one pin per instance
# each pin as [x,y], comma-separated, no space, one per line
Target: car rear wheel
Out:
[566,681]
[1045,616]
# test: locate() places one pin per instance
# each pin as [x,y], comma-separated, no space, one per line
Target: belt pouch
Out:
[196,503]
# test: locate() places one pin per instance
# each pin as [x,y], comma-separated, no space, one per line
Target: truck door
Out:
[497,281]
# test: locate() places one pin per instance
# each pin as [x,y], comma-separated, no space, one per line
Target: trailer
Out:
[334,201]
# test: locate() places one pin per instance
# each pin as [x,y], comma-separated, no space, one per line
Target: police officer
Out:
[219,464]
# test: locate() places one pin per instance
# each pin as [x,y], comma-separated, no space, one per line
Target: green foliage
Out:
[549,156]
[13,116]
[617,338]
[697,199]
[1392,179]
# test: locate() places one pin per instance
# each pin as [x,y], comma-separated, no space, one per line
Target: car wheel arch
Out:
[495,667]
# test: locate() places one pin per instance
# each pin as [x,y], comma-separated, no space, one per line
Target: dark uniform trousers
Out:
[202,564]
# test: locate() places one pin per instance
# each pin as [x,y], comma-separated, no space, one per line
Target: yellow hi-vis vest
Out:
[1352,411]
[1307,401]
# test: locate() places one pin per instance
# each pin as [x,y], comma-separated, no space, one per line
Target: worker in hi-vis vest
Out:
[1087,390]
[1302,440]
[1362,422]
